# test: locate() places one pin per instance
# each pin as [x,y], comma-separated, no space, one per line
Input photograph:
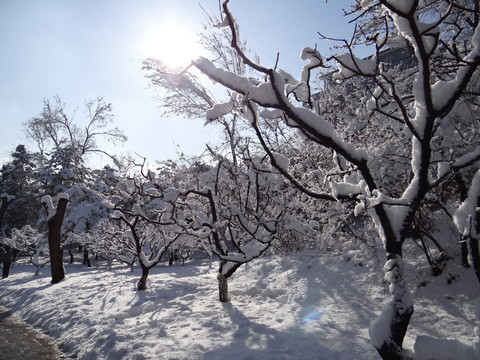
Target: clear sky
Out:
[83,49]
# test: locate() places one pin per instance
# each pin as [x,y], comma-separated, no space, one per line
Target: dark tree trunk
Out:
[54,233]
[474,249]
[475,256]
[462,188]
[222,288]
[142,283]
[464,247]
[86,259]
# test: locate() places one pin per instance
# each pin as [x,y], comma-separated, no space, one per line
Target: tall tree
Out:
[53,128]
[444,79]
[17,191]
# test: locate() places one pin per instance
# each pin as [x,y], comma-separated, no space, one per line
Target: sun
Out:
[175,45]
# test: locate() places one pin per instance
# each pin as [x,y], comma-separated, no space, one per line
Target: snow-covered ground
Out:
[303,306]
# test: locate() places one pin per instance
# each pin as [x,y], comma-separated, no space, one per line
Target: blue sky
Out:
[83,49]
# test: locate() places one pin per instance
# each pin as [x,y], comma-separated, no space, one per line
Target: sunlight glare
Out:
[173,44]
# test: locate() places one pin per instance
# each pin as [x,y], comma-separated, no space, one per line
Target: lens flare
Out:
[311,314]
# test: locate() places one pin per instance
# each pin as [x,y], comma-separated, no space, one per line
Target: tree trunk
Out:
[475,256]
[474,244]
[462,188]
[222,288]
[86,259]
[464,247]
[142,283]
[388,330]
[54,233]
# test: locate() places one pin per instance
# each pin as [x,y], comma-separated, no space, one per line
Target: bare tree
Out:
[54,129]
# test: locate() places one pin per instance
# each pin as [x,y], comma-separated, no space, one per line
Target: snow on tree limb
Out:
[271,94]
[349,65]
[262,93]
[466,214]
[47,202]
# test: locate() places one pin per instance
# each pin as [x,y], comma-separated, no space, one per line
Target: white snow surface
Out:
[303,306]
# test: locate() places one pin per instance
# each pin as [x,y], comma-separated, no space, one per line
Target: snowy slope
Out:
[296,307]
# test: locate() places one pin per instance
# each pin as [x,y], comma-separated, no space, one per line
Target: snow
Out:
[292,307]
[223,23]
[46,200]
[117,215]
[281,160]
[349,65]
[359,208]
[380,328]
[466,212]
[63,196]
[237,83]
[271,94]
[467,158]
[428,348]
[137,210]
[404,6]
[219,110]
[443,169]
[108,204]
[170,195]
[346,188]
[314,60]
